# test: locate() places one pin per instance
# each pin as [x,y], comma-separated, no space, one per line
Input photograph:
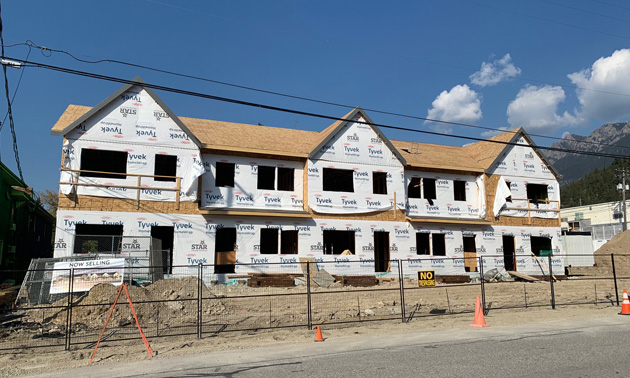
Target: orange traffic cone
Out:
[479,320]
[625,306]
[318,334]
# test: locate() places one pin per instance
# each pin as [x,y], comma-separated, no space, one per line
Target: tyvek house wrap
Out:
[519,166]
[195,235]
[359,148]
[445,205]
[134,122]
[245,193]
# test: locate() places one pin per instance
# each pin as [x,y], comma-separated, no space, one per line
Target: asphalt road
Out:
[575,348]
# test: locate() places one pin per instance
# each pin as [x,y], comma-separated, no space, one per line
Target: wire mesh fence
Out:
[196,301]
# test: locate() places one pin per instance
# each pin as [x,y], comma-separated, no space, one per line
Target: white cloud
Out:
[609,74]
[495,72]
[491,133]
[460,104]
[535,108]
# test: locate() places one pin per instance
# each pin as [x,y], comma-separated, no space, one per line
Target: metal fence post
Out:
[199,299]
[402,291]
[308,296]
[612,259]
[69,311]
[553,293]
[483,286]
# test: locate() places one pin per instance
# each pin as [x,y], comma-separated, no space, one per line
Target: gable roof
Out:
[60,129]
[332,130]
[487,153]
[436,156]
[238,137]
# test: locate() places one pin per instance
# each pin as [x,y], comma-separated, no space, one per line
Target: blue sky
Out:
[550,66]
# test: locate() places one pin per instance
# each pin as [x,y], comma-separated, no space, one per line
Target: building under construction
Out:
[217,192]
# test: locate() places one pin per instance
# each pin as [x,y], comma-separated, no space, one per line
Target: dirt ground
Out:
[33,361]
[329,305]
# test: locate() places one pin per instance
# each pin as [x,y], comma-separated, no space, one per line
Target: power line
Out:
[546,19]
[295,111]
[585,11]
[16,89]
[9,111]
[612,5]
[31,44]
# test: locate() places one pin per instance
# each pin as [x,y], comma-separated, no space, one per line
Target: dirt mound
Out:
[619,245]
[93,308]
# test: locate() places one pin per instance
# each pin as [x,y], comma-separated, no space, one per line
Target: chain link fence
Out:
[195,301]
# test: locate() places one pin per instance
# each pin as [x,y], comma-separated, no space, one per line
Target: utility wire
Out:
[295,111]
[612,5]
[546,19]
[585,11]
[16,89]
[9,111]
[31,44]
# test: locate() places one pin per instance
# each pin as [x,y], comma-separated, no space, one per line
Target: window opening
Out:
[108,164]
[537,192]
[225,175]
[268,241]
[539,243]
[413,190]
[459,190]
[423,246]
[97,238]
[439,245]
[335,242]
[289,242]
[266,177]
[428,186]
[379,182]
[338,180]
[286,179]
[165,165]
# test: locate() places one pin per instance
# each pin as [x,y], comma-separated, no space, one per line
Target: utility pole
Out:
[624,227]
[623,196]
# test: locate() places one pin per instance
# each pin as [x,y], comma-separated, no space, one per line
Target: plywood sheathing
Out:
[491,190]
[92,203]
[436,156]
[484,153]
[71,114]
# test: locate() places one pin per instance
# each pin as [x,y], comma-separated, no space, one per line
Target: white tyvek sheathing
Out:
[140,160]
[522,161]
[137,124]
[362,199]
[445,205]
[194,241]
[134,117]
[245,193]
[357,143]
[518,205]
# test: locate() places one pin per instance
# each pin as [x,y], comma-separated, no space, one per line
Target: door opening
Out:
[509,259]
[162,239]
[225,250]
[381,251]
[470,254]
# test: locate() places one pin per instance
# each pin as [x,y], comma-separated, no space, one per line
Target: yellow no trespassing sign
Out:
[426,278]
